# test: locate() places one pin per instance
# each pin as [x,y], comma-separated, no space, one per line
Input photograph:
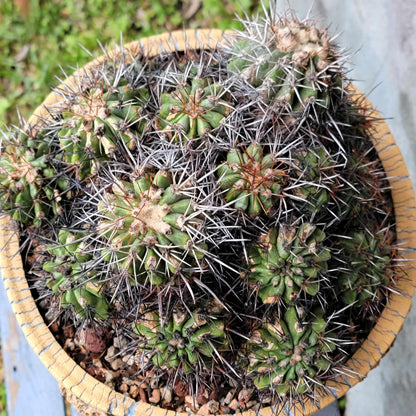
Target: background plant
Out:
[28,46]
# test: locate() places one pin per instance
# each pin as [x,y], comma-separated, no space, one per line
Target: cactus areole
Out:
[208,230]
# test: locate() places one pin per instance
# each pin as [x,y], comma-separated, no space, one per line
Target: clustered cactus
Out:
[287,261]
[224,209]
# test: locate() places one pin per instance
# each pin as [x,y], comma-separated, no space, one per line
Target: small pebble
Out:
[266,400]
[190,401]
[166,394]
[229,397]
[69,345]
[142,394]
[129,360]
[124,388]
[204,410]
[213,406]
[111,353]
[116,364]
[202,397]
[109,376]
[155,397]
[180,388]
[233,405]
[134,391]
[97,363]
[233,383]
[120,342]
[245,395]
[250,404]
[127,380]
[154,382]
[141,383]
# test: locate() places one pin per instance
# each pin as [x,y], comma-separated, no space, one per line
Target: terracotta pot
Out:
[93,397]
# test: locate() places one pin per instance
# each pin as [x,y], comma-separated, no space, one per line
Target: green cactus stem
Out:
[98,120]
[29,188]
[184,339]
[193,110]
[147,227]
[287,354]
[367,271]
[285,262]
[289,61]
[71,279]
[315,178]
[369,188]
[252,180]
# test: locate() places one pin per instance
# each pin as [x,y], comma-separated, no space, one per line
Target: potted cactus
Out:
[209,224]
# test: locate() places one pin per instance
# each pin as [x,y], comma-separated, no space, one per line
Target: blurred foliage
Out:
[3,404]
[32,49]
[342,404]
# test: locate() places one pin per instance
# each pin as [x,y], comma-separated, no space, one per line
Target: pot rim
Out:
[79,385]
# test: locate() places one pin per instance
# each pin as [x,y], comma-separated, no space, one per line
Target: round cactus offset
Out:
[367,270]
[186,339]
[294,63]
[30,187]
[214,211]
[288,261]
[72,279]
[193,110]
[253,180]
[96,120]
[290,351]
[151,228]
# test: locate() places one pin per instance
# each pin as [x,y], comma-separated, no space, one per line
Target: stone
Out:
[166,394]
[155,397]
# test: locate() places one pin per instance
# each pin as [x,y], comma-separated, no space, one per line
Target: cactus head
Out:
[289,61]
[193,110]
[315,178]
[367,270]
[148,226]
[251,179]
[98,120]
[185,339]
[287,261]
[29,186]
[288,353]
[368,190]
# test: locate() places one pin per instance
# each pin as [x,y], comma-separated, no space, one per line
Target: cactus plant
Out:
[287,261]
[96,120]
[367,270]
[30,188]
[293,62]
[150,229]
[214,209]
[183,339]
[251,179]
[192,111]
[289,351]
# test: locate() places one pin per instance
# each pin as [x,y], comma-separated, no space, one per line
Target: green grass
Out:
[29,47]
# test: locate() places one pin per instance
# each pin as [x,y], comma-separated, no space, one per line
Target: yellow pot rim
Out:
[79,385]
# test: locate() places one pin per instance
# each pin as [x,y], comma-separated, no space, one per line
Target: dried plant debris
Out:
[208,231]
